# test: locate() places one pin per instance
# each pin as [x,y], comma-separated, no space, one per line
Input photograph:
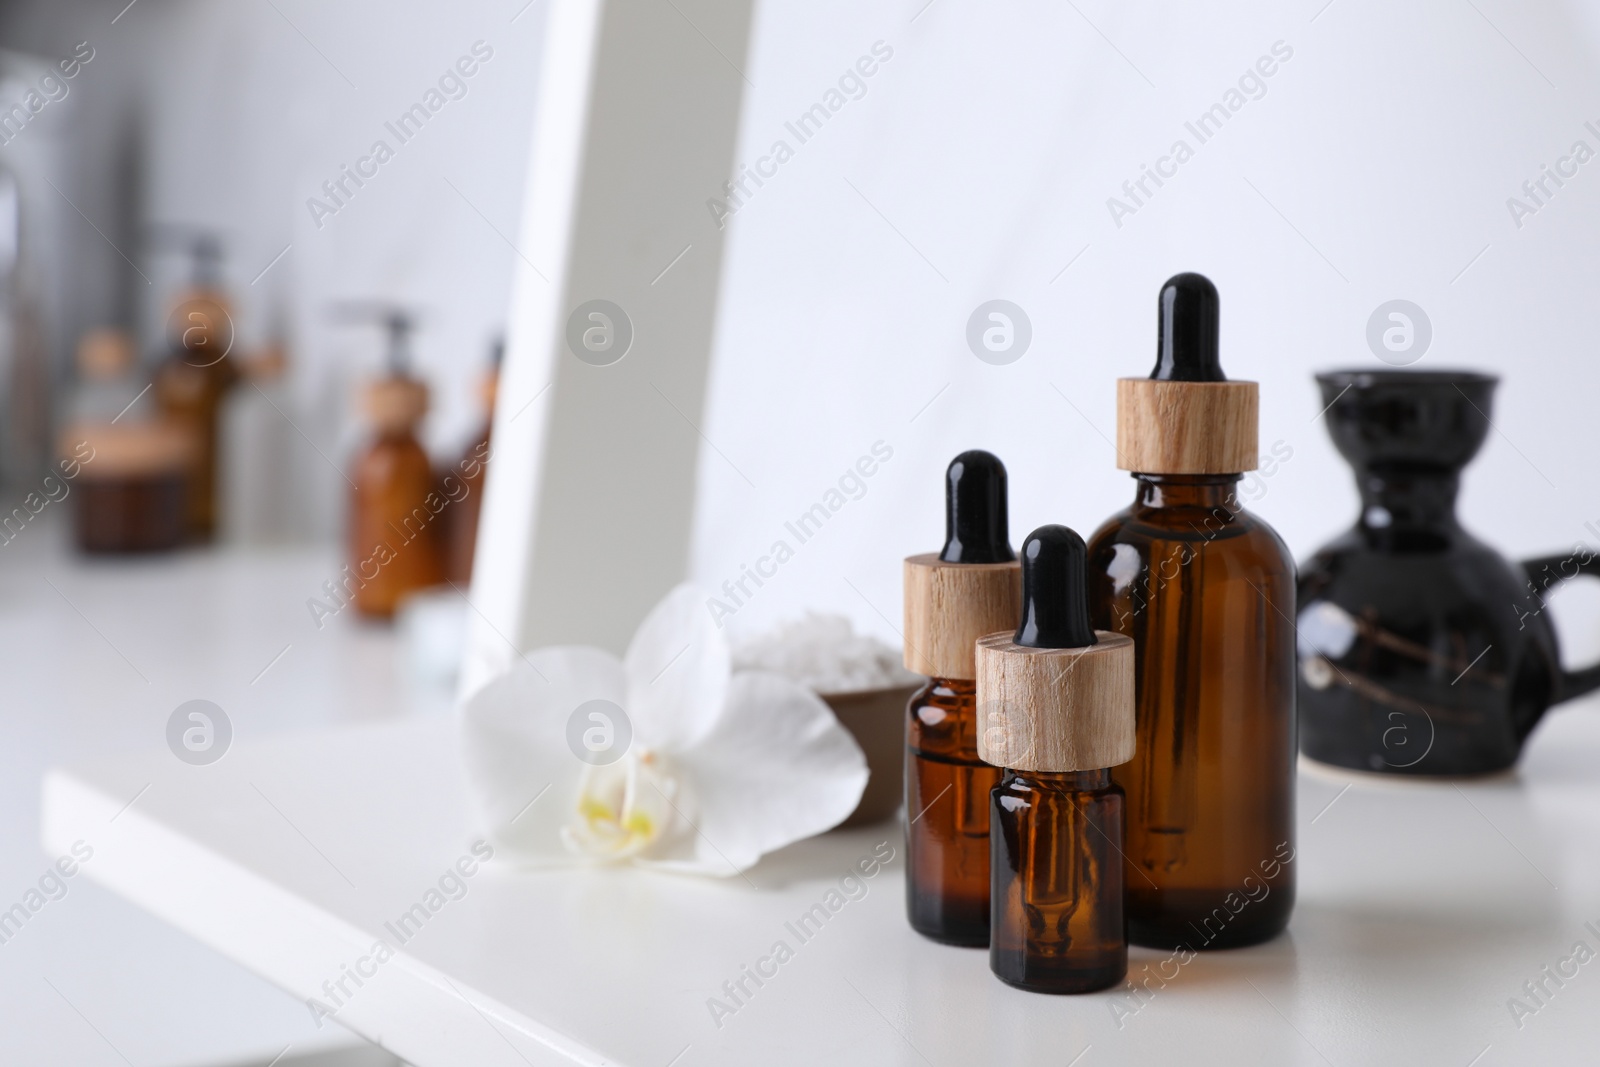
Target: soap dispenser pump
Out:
[393,538]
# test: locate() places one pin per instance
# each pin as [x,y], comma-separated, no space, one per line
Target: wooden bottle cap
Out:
[948,606]
[128,450]
[1056,695]
[1055,709]
[1187,417]
[973,585]
[396,404]
[1167,427]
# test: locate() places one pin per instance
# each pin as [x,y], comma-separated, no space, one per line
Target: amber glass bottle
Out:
[968,589]
[190,385]
[130,490]
[195,377]
[132,469]
[1055,704]
[1058,924]
[393,533]
[947,794]
[460,531]
[1206,592]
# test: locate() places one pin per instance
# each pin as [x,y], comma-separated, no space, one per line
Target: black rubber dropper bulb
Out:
[1187,313]
[1055,604]
[975,524]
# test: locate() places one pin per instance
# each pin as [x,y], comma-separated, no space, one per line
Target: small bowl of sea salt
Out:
[861,678]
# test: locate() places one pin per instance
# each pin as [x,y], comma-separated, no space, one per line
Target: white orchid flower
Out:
[664,758]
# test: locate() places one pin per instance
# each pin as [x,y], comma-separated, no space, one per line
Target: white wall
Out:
[991,141]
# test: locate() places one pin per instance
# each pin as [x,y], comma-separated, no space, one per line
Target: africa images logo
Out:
[199,732]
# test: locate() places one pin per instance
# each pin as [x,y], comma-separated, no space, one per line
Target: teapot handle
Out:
[1552,569]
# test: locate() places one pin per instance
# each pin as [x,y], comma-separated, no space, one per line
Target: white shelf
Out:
[96,655]
[1423,910]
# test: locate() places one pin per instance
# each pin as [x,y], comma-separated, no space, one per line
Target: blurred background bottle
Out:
[466,500]
[195,376]
[128,467]
[393,536]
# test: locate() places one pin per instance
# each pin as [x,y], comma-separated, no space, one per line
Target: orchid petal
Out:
[523,773]
[677,668]
[775,768]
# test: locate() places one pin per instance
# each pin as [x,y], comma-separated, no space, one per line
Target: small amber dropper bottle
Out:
[1055,709]
[969,588]
[393,536]
[1206,591]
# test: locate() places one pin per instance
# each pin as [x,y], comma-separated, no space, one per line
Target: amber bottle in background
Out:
[196,374]
[1206,591]
[466,501]
[393,532]
[1055,709]
[131,492]
[125,470]
[968,589]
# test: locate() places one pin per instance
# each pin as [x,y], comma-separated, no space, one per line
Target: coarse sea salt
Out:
[824,653]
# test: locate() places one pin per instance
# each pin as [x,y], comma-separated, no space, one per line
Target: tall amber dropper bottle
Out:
[969,588]
[1206,591]
[1055,709]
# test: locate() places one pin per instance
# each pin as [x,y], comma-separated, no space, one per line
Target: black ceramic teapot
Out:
[1422,651]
